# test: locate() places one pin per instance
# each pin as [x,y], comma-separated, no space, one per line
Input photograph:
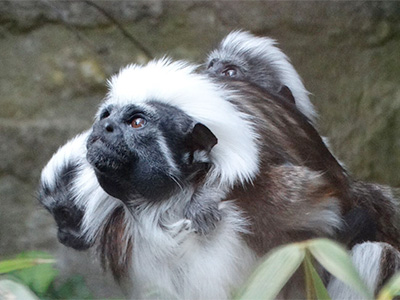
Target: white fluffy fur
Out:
[241,41]
[235,157]
[98,204]
[174,262]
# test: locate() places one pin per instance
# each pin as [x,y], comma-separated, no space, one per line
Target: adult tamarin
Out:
[235,57]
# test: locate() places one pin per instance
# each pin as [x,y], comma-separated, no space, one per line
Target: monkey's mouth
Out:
[104,157]
[101,144]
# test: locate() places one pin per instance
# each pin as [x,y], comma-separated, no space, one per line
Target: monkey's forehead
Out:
[205,101]
[160,79]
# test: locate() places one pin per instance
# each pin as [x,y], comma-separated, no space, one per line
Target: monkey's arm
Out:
[203,211]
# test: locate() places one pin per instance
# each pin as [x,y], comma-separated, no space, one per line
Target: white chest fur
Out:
[171,261]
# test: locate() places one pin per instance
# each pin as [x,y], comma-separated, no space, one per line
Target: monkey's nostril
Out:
[109,127]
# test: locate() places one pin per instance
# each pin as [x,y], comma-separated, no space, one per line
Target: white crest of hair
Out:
[66,155]
[366,258]
[235,157]
[173,261]
[241,42]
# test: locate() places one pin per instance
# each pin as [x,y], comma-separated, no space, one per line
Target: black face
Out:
[59,201]
[146,152]
[225,69]
[264,80]
[69,232]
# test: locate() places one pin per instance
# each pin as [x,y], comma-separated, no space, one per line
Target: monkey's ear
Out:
[201,138]
[286,93]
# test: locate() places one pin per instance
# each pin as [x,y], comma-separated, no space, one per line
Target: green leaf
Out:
[335,259]
[13,290]
[37,278]
[34,269]
[34,254]
[310,288]
[11,265]
[269,278]
[74,288]
[390,289]
[314,286]
[25,260]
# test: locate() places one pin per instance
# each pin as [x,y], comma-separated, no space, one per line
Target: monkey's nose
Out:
[108,130]
[109,127]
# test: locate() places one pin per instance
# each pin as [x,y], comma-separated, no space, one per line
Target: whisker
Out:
[176,180]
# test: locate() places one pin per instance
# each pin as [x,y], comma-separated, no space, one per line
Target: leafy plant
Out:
[31,275]
[391,289]
[37,277]
[281,263]
[25,260]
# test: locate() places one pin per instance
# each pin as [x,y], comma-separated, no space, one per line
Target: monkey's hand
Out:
[203,213]
[179,230]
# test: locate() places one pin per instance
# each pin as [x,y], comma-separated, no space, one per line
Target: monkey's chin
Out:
[106,167]
[73,240]
[113,187]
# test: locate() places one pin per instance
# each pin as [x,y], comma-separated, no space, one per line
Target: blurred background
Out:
[55,57]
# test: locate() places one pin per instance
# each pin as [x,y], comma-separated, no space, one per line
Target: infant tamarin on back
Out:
[245,57]
[248,145]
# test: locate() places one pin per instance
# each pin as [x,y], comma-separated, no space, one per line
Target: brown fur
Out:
[390,264]
[115,251]
[382,206]
[298,176]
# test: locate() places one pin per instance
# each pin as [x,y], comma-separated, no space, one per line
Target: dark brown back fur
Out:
[298,178]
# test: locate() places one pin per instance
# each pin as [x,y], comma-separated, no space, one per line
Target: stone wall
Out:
[55,57]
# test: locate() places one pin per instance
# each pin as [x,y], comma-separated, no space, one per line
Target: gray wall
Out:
[55,57]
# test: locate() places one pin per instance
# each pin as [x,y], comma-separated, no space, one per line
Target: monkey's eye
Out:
[211,64]
[138,122]
[230,72]
[104,114]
